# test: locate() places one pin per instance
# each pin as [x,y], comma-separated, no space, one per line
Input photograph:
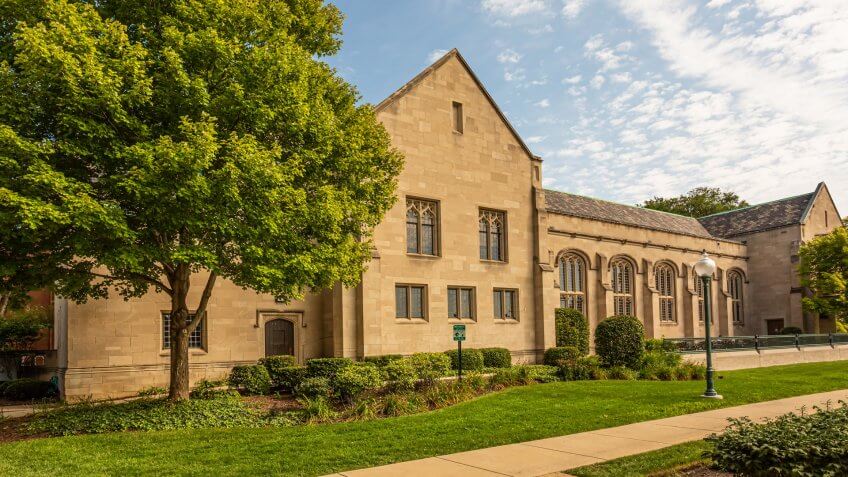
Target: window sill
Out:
[506,321]
[422,255]
[469,321]
[668,323]
[191,352]
[411,321]
[485,260]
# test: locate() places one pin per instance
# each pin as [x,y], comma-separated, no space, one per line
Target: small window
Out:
[505,304]
[457,118]
[410,301]
[461,303]
[195,338]
[492,235]
[422,227]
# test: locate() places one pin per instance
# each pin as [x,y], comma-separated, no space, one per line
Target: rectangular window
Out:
[422,226]
[492,235]
[410,301]
[461,303]
[195,338]
[457,118]
[505,304]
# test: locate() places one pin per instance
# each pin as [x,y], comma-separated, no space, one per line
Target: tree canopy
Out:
[824,270]
[698,202]
[142,142]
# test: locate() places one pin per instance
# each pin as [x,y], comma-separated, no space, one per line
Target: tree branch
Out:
[200,313]
[130,276]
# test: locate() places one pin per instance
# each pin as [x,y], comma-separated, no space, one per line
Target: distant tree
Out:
[824,270]
[19,330]
[142,142]
[698,202]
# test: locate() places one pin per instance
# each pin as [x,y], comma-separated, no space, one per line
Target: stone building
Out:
[474,238]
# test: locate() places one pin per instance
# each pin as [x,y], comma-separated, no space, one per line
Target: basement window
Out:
[457,118]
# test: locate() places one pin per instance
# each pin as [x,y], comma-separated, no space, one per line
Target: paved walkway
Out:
[556,454]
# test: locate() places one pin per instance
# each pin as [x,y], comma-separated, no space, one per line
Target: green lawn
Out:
[514,415]
[647,463]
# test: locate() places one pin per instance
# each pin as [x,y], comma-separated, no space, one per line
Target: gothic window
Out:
[492,235]
[734,285]
[664,276]
[195,338]
[572,282]
[621,272]
[422,223]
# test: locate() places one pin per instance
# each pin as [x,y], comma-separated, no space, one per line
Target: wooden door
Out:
[279,337]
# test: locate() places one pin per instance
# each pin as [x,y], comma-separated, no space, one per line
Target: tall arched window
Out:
[422,222]
[699,287]
[664,275]
[572,282]
[734,286]
[621,272]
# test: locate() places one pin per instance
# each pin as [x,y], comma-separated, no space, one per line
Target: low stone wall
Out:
[730,360]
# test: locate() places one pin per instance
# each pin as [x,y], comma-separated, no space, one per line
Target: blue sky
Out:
[627,99]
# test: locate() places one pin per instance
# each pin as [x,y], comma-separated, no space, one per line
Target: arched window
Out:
[622,286]
[492,235]
[422,221]
[572,282]
[734,286]
[664,275]
[699,287]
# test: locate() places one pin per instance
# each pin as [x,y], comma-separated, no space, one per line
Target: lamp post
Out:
[705,268]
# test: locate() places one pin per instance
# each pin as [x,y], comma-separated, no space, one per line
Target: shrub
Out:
[580,369]
[472,359]
[682,373]
[496,357]
[316,408]
[326,367]
[572,329]
[658,344]
[313,387]
[251,379]
[430,366]
[206,389]
[791,330]
[620,341]
[351,381]
[791,444]
[541,373]
[696,371]
[666,373]
[514,376]
[382,360]
[25,389]
[151,391]
[275,366]
[402,404]
[556,356]
[621,373]
[289,378]
[659,358]
[401,375]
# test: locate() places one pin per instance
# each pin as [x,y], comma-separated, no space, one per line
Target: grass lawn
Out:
[647,463]
[515,415]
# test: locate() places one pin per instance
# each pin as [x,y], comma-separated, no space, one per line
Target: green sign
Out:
[459,332]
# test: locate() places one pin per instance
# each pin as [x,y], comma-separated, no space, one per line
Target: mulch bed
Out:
[11,430]
[699,470]
[280,403]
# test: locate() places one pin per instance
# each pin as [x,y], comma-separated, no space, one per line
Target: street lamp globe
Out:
[705,267]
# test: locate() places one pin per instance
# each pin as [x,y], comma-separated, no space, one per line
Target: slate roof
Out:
[760,217]
[596,209]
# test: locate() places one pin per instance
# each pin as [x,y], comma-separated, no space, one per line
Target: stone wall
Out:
[730,360]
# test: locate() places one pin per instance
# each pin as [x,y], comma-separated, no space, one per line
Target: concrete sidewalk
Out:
[556,454]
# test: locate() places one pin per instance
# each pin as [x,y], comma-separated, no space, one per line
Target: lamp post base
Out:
[712,396]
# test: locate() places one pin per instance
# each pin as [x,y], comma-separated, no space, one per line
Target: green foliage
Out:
[401,375]
[326,367]
[251,379]
[622,373]
[472,359]
[514,376]
[289,378]
[581,368]
[209,389]
[279,369]
[316,408]
[541,373]
[619,341]
[19,330]
[791,330]
[151,391]
[496,357]
[26,389]
[430,366]
[658,358]
[393,404]
[824,270]
[572,329]
[351,381]
[559,355]
[382,360]
[659,344]
[697,372]
[314,387]
[790,445]
[698,202]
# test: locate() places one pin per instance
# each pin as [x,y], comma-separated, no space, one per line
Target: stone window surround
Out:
[491,216]
[515,305]
[622,285]
[473,308]
[164,339]
[422,205]
[578,292]
[665,282]
[425,308]
[736,296]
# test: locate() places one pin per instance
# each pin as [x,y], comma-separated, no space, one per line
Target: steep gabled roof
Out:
[761,217]
[454,53]
[595,209]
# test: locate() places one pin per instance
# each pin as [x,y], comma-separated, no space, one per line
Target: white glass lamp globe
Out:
[705,267]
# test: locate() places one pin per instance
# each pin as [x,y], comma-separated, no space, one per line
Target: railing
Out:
[757,342]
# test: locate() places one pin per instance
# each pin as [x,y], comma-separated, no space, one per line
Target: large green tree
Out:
[698,202]
[144,141]
[824,270]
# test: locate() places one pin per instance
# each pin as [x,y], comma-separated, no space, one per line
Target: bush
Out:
[696,371]
[206,389]
[541,373]
[401,375]
[289,378]
[559,355]
[275,366]
[514,376]
[326,367]
[313,388]
[472,359]
[430,366]
[791,330]
[252,379]
[620,341]
[572,329]
[496,357]
[402,404]
[351,381]
[659,358]
[317,408]
[660,345]
[383,360]
[621,373]
[25,389]
[791,444]
[580,369]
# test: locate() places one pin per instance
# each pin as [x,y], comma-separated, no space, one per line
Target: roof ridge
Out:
[623,205]
[757,205]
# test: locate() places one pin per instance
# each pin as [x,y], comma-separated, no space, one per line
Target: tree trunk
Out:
[179,386]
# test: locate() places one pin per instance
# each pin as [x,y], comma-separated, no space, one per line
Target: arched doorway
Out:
[279,337]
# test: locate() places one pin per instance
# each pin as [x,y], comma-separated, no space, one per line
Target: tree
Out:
[144,142]
[698,202]
[19,330]
[824,270]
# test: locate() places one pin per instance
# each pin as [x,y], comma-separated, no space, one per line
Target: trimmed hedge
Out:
[430,366]
[252,379]
[620,341]
[326,367]
[25,389]
[401,375]
[314,387]
[289,378]
[572,329]
[472,359]
[275,366]
[496,357]
[659,344]
[382,360]
[559,355]
[352,381]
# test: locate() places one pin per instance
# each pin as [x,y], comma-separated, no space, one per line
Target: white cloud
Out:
[597,81]
[514,8]
[535,139]
[573,79]
[509,56]
[621,77]
[594,43]
[515,75]
[624,46]
[436,54]
[572,8]
[717,3]
[543,103]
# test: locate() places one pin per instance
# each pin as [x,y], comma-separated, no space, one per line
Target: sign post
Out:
[459,337]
